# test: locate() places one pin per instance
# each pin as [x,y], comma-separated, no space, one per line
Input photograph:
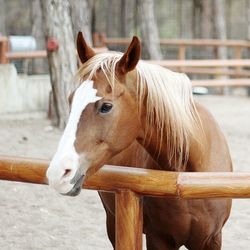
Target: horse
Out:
[125,111]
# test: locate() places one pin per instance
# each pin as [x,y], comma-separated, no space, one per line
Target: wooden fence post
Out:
[103,39]
[95,38]
[182,52]
[182,55]
[129,220]
[4,48]
[238,53]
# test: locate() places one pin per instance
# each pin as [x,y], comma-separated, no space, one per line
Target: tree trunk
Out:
[248,31]
[180,18]
[37,32]
[112,23]
[196,18]
[62,62]
[149,29]
[2,18]
[221,33]
[220,26]
[206,19]
[248,19]
[124,18]
[81,19]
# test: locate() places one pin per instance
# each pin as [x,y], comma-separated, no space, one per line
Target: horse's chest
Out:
[167,216]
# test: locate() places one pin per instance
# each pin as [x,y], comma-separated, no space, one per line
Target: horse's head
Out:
[104,116]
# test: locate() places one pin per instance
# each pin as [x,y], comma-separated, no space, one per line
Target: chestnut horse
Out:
[128,112]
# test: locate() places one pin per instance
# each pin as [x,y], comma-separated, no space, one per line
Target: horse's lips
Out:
[77,187]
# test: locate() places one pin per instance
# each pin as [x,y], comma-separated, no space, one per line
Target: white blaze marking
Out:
[66,156]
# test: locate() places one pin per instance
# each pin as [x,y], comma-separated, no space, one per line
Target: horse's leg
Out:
[156,242]
[212,243]
[108,201]
[110,223]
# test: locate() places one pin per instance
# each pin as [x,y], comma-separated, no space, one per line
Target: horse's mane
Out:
[169,102]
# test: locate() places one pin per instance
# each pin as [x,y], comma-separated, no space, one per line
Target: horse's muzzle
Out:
[77,186]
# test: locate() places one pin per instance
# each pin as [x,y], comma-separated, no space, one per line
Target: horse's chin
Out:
[77,188]
[74,191]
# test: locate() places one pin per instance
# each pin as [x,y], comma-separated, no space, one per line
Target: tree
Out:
[206,19]
[37,32]
[62,61]
[220,26]
[248,19]
[2,18]
[112,24]
[248,30]
[124,18]
[196,17]
[149,29]
[221,32]
[81,18]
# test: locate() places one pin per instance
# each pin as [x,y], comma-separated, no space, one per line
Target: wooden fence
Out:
[182,44]
[6,55]
[4,47]
[236,68]
[131,184]
[230,72]
[102,42]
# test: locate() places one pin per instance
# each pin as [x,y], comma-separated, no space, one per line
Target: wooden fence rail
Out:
[197,67]
[130,184]
[182,44]
[238,68]
[139,180]
[178,42]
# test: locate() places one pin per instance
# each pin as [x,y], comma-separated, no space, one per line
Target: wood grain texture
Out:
[23,169]
[4,47]
[186,42]
[213,63]
[211,185]
[39,54]
[222,82]
[128,220]
[141,181]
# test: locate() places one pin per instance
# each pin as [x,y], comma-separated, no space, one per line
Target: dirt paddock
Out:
[35,217]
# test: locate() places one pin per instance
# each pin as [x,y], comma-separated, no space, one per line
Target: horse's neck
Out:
[161,156]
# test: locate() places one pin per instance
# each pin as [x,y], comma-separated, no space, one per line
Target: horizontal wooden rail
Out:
[206,42]
[164,183]
[23,169]
[213,63]
[163,63]
[185,42]
[38,54]
[214,71]
[26,54]
[141,181]
[236,82]
[3,39]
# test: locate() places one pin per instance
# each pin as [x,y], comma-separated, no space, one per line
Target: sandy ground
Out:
[35,217]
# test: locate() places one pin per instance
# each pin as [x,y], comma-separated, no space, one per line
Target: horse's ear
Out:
[131,57]
[83,50]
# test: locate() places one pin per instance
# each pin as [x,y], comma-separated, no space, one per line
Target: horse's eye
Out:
[105,108]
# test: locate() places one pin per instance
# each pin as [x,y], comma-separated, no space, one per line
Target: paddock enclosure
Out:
[37,218]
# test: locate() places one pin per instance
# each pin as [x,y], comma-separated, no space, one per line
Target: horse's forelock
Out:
[106,62]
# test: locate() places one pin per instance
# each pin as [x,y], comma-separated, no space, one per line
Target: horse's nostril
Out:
[67,172]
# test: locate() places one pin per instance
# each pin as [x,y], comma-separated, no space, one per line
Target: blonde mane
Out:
[169,102]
